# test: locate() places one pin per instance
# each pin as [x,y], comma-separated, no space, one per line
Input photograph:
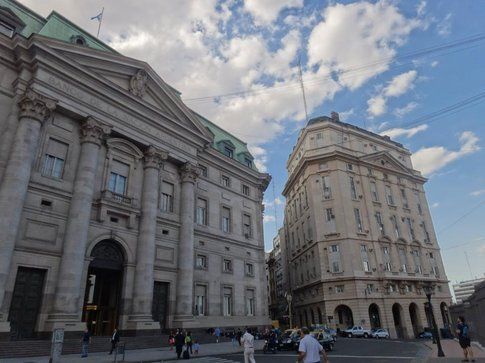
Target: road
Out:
[347,350]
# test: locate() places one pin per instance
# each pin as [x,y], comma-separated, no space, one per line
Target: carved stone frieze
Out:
[153,157]
[36,106]
[138,83]
[189,173]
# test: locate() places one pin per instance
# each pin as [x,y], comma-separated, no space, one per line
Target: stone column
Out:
[145,252]
[34,109]
[67,304]
[185,271]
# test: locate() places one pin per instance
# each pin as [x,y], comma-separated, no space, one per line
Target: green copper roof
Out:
[54,26]
[221,136]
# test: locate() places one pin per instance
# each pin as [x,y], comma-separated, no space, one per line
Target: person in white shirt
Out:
[247,342]
[310,349]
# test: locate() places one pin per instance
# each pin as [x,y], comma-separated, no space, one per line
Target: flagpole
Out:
[99,25]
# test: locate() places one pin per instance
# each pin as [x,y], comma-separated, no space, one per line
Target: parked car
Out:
[357,331]
[425,335]
[286,342]
[325,340]
[380,334]
[332,333]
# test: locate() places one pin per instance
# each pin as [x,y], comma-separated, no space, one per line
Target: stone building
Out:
[361,242]
[119,206]
[464,289]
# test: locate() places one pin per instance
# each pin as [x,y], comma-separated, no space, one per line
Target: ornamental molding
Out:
[189,173]
[36,106]
[92,131]
[138,83]
[153,157]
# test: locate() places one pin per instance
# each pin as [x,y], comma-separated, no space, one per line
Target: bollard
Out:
[56,345]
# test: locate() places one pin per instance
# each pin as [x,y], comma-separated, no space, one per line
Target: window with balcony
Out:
[250,302]
[327,190]
[404,198]
[403,259]
[409,223]
[418,203]
[425,233]
[395,226]
[365,258]
[358,220]
[54,159]
[380,224]
[226,220]
[389,197]
[227,301]
[118,177]
[247,230]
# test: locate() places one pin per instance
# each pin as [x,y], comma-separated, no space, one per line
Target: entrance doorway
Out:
[445,315]
[160,303]
[102,299]
[344,315]
[398,322]
[375,320]
[26,302]
[415,319]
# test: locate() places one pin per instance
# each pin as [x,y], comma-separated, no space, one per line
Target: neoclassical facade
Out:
[359,233]
[119,206]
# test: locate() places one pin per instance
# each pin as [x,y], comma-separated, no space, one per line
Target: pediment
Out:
[385,160]
[137,80]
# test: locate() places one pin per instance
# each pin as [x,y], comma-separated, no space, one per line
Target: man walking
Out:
[179,343]
[217,333]
[85,343]
[247,341]
[115,338]
[462,331]
[310,349]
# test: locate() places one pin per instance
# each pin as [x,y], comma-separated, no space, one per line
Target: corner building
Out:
[359,233]
[119,206]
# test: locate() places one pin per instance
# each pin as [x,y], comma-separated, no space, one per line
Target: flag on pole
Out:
[98,17]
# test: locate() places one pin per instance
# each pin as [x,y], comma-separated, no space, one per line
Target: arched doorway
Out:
[306,318]
[374,317]
[415,319]
[344,316]
[398,321]
[312,314]
[319,312]
[445,315]
[301,320]
[102,298]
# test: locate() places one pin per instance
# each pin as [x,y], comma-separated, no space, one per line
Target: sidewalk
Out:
[142,355]
[453,352]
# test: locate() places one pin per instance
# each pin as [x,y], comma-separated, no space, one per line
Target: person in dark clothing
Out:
[85,343]
[115,338]
[464,339]
[238,336]
[179,343]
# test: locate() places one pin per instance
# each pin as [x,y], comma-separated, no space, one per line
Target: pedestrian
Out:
[188,342]
[463,333]
[179,343]
[238,336]
[196,347]
[85,339]
[233,336]
[247,341]
[115,338]
[171,340]
[310,349]
[217,333]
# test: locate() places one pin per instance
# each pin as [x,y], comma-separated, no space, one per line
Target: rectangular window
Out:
[373,192]
[391,288]
[380,224]
[418,203]
[365,258]
[245,190]
[249,269]
[417,261]
[248,162]
[353,192]
[225,181]
[336,266]
[55,157]
[425,233]
[339,288]
[200,299]
[403,259]
[386,259]
[405,203]
[390,198]
[395,226]
[203,170]
[250,299]
[329,217]
[327,190]
[358,220]
[350,167]
[247,230]
[117,183]
[201,261]
[226,220]
[227,301]
[228,151]
[409,223]
[334,248]
[167,197]
[370,172]
[370,288]
[227,265]
[201,213]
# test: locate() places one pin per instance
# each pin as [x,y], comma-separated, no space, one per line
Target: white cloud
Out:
[359,31]
[476,193]
[397,132]
[435,205]
[260,157]
[399,85]
[344,115]
[434,63]
[421,8]
[268,218]
[431,159]
[401,111]
[265,12]
[278,201]
[444,26]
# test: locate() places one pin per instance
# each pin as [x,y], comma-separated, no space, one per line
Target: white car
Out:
[380,334]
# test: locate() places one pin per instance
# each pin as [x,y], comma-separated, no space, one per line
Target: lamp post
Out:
[289,299]
[429,290]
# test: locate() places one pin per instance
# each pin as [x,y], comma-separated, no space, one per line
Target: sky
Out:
[393,67]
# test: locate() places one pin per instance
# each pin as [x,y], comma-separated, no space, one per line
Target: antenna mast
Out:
[302,88]
[274,208]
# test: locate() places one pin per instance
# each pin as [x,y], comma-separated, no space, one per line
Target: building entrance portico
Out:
[102,298]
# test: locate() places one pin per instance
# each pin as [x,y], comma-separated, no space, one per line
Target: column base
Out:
[142,324]
[185,321]
[71,324]
[4,330]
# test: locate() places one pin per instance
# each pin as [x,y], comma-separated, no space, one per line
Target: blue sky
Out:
[358,58]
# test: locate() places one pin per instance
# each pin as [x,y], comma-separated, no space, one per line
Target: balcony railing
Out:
[117,198]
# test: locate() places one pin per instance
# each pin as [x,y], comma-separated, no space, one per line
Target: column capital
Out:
[189,173]
[153,157]
[35,106]
[92,131]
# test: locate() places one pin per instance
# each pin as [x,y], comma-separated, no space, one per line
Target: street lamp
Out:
[289,298]
[429,290]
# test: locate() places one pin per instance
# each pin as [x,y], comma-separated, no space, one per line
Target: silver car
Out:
[380,334]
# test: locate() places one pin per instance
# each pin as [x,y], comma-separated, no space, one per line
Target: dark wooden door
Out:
[160,303]
[26,302]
